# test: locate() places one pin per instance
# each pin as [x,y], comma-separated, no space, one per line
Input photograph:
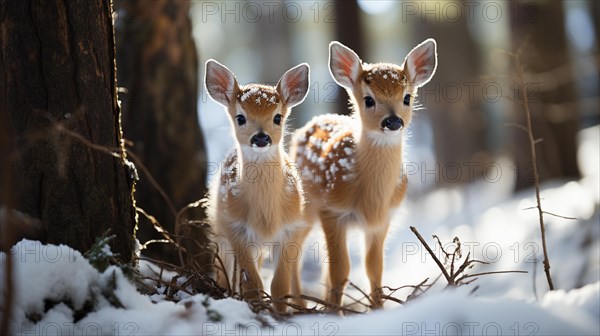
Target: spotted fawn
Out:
[351,166]
[257,201]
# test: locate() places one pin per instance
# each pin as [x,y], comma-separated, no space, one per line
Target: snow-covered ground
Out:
[49,273]
[53,284]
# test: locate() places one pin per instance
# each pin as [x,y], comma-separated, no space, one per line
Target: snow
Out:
[51,273]
[259,94]
[252,91]
[58,272]
[387,72]
[455,312]
[70,277]
[54,283]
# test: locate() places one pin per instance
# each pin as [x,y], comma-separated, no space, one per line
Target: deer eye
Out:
[369,101]
[277,119]
[240,119]
[407,100]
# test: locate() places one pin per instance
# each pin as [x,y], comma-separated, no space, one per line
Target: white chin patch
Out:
[392,133]
[261,149]
[385,138]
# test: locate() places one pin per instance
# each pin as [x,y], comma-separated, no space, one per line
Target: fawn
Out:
[351,167]
[257,199]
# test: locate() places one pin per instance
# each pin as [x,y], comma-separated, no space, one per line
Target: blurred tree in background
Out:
[352,37]
[545,56]
[469,101]
[457,117]
[158,71]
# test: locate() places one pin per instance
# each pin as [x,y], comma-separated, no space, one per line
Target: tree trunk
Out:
[349,35]
[455,113]
[159,73]
[545,49]
[60,104]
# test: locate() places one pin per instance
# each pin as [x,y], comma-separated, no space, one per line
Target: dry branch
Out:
[458,277]
[437,261]
[536,176]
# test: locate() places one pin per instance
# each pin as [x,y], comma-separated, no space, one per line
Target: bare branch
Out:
[517,126]
[536,176]
[437,261]
[559,216]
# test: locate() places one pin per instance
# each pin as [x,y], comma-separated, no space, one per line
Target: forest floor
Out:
[58,291]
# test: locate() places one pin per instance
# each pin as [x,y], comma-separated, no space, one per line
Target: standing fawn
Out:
[352,166]
[257,200]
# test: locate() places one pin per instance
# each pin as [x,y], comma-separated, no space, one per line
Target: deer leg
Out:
[247,261]
[338,258]
[296,265]
[374,263]
[280,286]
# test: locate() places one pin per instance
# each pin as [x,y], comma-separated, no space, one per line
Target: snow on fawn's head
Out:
[257,112]
[383,93]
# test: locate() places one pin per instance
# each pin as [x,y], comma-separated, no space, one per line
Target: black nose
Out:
[260,139]
[393,123]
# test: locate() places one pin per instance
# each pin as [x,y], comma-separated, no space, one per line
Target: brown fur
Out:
[266,201]
[258,200]
[264,106]
[366,196]
[362,192]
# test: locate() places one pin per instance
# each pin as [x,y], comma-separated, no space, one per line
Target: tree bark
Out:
[544,49]
[158,66]
[455,113]
[351,36]
[60,105]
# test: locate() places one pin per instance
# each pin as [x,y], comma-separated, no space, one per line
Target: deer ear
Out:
[344,64]
[293,85]
[421,62]
[220,82]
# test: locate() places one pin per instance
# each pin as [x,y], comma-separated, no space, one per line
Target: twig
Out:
[154,241]
[235,277]
[456,278]
[162,264]
[517,126]
[536,176]
[158,227]
[534,276]
[138,163]
[371,303]
[116,152]
[413,294]
[551,213]
[422,283]
[466,276]
[224,270]
[178,221]
[437,261]
[559,216]
[468,263]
